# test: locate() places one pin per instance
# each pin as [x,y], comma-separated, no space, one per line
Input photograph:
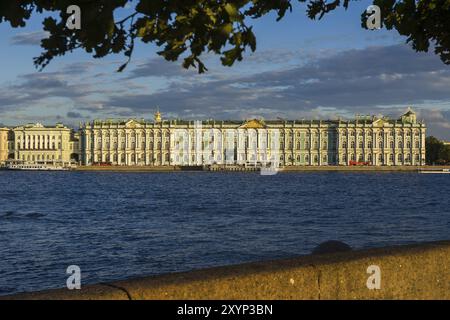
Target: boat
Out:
[435,171]
[36,167]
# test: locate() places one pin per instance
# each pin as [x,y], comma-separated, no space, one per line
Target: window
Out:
[370,144]
[400,144]
[380,157]
[361,145]
[352,144]
[391,144]
[344,144]
[399,157]
[408,144]
[391,157]
[380,144]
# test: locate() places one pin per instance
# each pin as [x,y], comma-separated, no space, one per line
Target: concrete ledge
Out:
[407,272]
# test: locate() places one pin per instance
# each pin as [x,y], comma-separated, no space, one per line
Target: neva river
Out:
[120,225]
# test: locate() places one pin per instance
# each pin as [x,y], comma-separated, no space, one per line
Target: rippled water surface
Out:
[120,225]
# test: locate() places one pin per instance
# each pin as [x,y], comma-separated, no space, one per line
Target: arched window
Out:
[352,144]
[399,157]
[400,144]
[380,145]
[380,157]
[344,144]
[408,144]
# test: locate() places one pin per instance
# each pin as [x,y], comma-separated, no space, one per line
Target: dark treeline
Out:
[437,151]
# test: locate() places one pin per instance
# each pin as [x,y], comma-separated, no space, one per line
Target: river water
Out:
[121,225]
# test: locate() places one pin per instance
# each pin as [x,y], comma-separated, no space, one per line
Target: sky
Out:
[302,69]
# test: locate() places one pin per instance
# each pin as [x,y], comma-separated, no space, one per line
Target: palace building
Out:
[4,145]
[364,140]
[36,143]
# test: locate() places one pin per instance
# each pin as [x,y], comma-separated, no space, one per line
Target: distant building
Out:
[36,143]
[369,140]
[4,148]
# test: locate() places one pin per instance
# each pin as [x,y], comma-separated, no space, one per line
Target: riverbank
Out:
[420,271]
[283,169]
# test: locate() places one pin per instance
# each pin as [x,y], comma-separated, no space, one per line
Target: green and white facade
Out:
[376,141]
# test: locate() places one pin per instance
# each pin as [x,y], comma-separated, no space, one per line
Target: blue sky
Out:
[301,69]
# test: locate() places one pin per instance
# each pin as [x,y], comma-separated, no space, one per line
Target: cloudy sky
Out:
[302,69]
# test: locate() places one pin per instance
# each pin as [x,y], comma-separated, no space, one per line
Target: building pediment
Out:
[378,123]
[253,124]
[132,124]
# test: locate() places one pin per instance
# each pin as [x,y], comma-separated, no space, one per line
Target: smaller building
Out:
[4,147]
[36,143]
